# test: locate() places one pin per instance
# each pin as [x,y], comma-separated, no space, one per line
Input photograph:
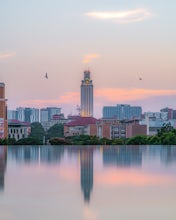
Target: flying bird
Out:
[46,75]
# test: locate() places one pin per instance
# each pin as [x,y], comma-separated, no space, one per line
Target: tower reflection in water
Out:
[86,163]
[3,163]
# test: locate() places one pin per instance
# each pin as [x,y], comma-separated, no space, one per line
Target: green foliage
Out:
[85,140]
[59,141]
[11,141]
[37,132]
[154,140]
[117,142]
[28,141]
[168,138]
[165,129]
[3,141]
[137,140]
[105,141]
[56,130]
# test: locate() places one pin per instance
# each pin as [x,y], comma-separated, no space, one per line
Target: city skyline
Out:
[120,42]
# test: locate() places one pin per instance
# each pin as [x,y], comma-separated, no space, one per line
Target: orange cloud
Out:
[124,94]
[67,98]
[89,57]
[101,95]
[4,55]
[134,177]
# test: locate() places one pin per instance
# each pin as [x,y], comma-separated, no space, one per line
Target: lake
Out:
[88,182]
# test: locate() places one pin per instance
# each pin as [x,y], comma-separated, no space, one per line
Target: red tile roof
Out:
[82,121]
[15,122]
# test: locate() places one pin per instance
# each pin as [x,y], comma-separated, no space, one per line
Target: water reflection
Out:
[50,154]
[3,162]
[113,156]
[122,156]
[86,162]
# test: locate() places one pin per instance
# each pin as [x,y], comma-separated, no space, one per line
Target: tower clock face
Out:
[87,81]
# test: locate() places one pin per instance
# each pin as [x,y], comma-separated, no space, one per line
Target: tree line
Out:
[166,135]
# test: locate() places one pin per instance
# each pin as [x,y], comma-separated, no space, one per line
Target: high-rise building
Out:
[20,114]
[169,112]
[86,96]
[24,114]
[3,113]
[46,114]
[12,114]
[122,112]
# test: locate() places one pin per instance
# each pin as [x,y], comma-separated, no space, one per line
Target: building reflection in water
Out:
[26,154]
[3,163]
[86,163]
[34,154]
[51,154]
[168,154]
[122,155]
[112,155]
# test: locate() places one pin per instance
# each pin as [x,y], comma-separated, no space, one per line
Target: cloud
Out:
[67,98]
[102,96]
[125,94]
[89,57]
[5,55]
[130,16]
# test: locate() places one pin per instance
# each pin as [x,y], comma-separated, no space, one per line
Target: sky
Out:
[119,41]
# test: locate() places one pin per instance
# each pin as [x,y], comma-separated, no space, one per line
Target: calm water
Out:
[88,183]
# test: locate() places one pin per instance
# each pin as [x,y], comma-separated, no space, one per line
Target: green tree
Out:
[154,140]
[137,140]
[11,141]
[165,129]
[3,141]
[168,138]
[105,141]
[37,132]
[118,142]
[28,141]
[56,130]
[84,140]
[59,141]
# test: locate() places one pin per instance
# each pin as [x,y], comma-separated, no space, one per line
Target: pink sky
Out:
[118,42]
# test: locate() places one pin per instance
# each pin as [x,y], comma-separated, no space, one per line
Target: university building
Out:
[3,113]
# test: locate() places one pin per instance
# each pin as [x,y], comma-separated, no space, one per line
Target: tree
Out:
[37,132]
[56,130]
[28,141]
[118,142]
[154,140]
[137,140]
[59,141]
[168,138]
[165,129]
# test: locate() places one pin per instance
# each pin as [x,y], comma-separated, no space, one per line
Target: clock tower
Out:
[86,95]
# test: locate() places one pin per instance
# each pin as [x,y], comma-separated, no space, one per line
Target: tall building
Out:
[24,114]
[122,112]
[46,114]
[20,114]
[169,112]
[3,113]
[86,96]
[12,114]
